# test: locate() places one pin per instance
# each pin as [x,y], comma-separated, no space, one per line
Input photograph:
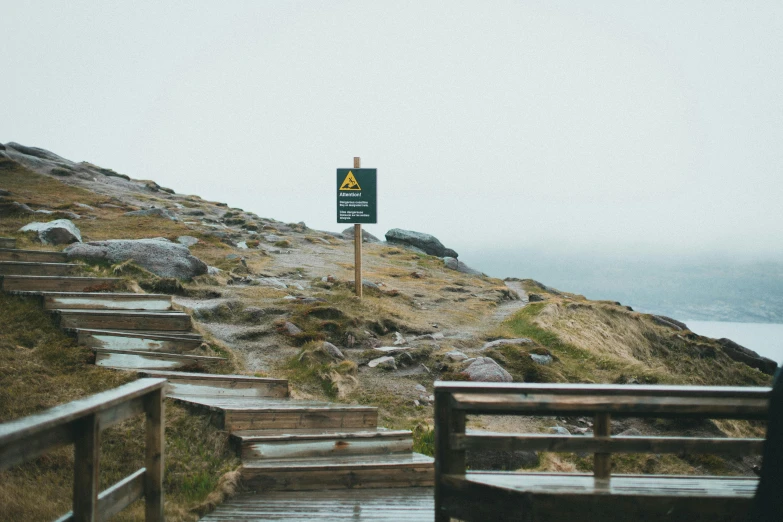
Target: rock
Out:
[369,284]
[291,329]
[541,359]
[485,369]
[213,270]
[429,244]
[453,263]
[559,430]
[399,340]
[669,322]
[456,356]
[194,212]
[417,275]
[188,241]
[332,350]
[272,238]
[84,206]
[416,402]
[57,232]
[153,212]
[366,236]
[392,349]
[4,193]
[744,355]
[421,389]
[534,298]
[162,258]
[242,245]
[385,362]
[502,342]
[437,336]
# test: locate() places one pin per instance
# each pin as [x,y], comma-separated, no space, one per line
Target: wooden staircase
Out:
[285,444]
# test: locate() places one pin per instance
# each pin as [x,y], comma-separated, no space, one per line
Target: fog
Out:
[605,127]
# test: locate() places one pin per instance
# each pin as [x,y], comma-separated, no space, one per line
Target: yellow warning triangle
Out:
[350,183]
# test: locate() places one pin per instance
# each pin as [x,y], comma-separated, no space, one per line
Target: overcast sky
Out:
[613,126]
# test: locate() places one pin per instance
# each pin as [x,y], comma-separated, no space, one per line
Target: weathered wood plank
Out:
[35,268]
[619,405]
[7,242]
[153,457]
[150,360]
[116,498]
[562,443]
[326,445]
[93,301]
[41,256]
[137,342]
[448,460]
[602,461]
[325,418]
[199,384]
[58,284]
[87,451]
[123,320]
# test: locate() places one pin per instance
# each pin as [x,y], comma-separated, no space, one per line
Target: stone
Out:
[366,236]
[399,340]
[385,362]
[213,270]
[456,356]
[4,193]
[541,359]
[425,242]
[188,241]
[194,212]
[272,238]
[242,245]
[534,298]
[291,329]
[84,206]
[421,389]
[332,350]
[745,355]
[153,212]
[162,258]
[503,342]
[669,322]
[416,402]
[57,232]
[485,369]
[392,349]
[453,263]
[370,284]
[559,430]
[437,336]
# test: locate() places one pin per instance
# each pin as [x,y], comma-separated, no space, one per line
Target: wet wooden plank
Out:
[618,405]
[328,445]
[116,498]
[59,284]
[124,320]
[7,242]
[150,334]
[311,418]
[355,505]
[150,360]
[137,342]
[201,385]
[34,268]
[41,256]
[92,301]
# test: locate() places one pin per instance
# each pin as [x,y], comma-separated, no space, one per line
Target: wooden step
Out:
[36,268]
[284,444]
[93,301]
[23,283]
[364,471]
[147,333]
[242,413]
[137,341]
[128,360]
[203,384]
[38,256]
[7,242]
[170,321]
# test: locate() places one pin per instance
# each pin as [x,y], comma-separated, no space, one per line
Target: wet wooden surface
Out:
[36,268]
[40,256]
[59,283]
[7,242]
[377,505]
[92,301]
[172,321]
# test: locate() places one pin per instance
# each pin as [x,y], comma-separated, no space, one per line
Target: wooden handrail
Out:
[455,400]
[80,423]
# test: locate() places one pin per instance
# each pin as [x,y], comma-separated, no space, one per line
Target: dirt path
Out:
[504,310]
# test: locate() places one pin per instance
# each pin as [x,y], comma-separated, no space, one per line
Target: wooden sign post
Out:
[357,245]
[357,203]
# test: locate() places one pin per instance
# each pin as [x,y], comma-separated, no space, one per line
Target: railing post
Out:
[153,461]
[86,465]
[602,462]
[447,460]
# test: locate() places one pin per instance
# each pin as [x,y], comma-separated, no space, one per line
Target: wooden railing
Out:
[455,400]
[80,423]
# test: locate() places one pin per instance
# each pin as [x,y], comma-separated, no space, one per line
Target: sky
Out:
[598,126]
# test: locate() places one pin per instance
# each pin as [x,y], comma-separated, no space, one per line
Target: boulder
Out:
[559,430]
[485,369]
[153,212]
[332,350]
[744,355]
[502,342]
[57,232]
[188,241]
[456,356]
[543,360]
[453,263]
[162,258]
[534,298]
[386,362]
[291,329]
[366,236]
[425,242]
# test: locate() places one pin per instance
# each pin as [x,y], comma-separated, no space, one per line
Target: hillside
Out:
[274,292]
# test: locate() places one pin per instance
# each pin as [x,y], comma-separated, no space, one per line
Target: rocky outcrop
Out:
[455,264]
[159,256]
[502,342]
[668,322]
[153,212]
[425,242]
[57,232]
[744,355]
[485,369]
[366,236]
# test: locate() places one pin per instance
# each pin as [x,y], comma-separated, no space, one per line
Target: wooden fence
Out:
[80,423]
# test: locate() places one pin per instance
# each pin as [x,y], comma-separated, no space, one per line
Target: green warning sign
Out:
[357,195]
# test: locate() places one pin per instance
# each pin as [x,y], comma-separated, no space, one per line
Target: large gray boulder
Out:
[485,369]
[366,236]
[159,256]
[455,264]
[57,232]
[429,244]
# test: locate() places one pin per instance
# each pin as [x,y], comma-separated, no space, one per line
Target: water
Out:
[764,338]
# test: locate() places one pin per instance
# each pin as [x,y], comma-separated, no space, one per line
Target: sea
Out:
[716,296]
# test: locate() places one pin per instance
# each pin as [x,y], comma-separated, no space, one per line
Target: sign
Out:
[357,195]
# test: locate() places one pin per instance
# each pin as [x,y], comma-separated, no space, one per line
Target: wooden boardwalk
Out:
[373,505]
